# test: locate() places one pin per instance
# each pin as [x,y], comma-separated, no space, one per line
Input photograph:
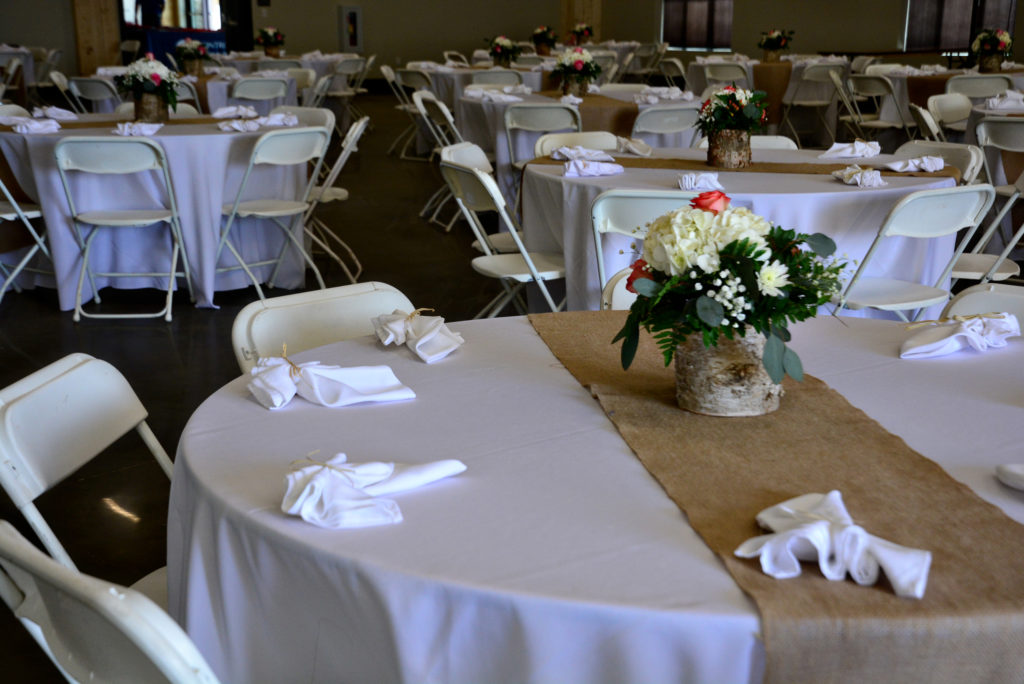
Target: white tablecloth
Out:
[218,91]
[321,65]
[449,84]
[554,558]
[206,167]
[556,216]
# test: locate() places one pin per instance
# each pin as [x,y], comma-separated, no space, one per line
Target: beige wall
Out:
[45,23]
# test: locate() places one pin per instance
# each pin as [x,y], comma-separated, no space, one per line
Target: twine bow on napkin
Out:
[944,336]
[427,336]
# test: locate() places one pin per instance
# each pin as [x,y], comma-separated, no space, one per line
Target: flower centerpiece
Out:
[774,42]
[990,46]
[718,286]
[543,39]
[152,87]
[503,51]
[582,33]
[726,119]
[577,69]
[190,55]
[271,40]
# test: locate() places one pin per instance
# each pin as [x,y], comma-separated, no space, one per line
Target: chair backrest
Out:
[348,146]
[94,89]
[665,119]
[986,298]
[498,77]
[285,147]
[969,159]
[350,67]
[92,630]
[673,71]
[870,85]
[538,117]
[308,116]
[310,319]
[467,154]
[130,50]
[594,140]
[186,91]
[181,111]
[14,110]
[981,85]
[323,85]
[530,60]
[630,88]
[413,79]
[437,117]
[87,405]
[949,108]
[169,56]
[861,62]
[455,56]
[304,78]
[820,73]
[366,70]
[604,59]
[725,73]
[108,154]
[926,123]
[628,211]
[253,88]
[278,64]
[1005,133]
[878,69]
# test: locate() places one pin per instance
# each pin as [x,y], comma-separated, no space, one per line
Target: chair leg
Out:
[289,235]
[77,316]
[238,258]
[317,231]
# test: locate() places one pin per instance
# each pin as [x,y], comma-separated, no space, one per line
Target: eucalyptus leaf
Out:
[792,365]
[782,333]
[774,350]
[709,311]
[752,112]
[821,244]
[629,344]
[646,287]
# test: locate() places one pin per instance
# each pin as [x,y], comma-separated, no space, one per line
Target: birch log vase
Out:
[725,380]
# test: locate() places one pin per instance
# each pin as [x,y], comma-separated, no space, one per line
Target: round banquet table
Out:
[556,216]
[218,94]
[555,557]
[206,167]
[449,82]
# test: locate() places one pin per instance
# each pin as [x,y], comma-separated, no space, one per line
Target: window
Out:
[697,24]
[949,25]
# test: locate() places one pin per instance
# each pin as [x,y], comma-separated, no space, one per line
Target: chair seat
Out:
[502,242]
[975,266]
[956,125]
[341,93]
[331,194]
[267,208]
[154,586]
[513,266]
[889,294]
[1005,190]
[7,212]
[130,217]
[876,123]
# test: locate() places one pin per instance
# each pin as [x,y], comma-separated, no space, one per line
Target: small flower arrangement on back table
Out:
[149,76]
[582,32]
[269,37]
[576,66]
[190,49]
[544,35]
[776,39]
[992,42]
[713,270]
[503,50]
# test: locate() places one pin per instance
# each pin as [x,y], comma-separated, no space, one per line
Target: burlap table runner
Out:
[721,472]
[603,113]
[759,167]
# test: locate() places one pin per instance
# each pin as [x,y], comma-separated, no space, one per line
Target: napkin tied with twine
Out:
[950,335]
[427,336]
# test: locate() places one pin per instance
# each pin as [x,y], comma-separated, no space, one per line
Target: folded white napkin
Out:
[704,180]
[948,337]
[669,93]
[491,95]
[136,128]
[519,89]
[578,152]
[270,73]
[545,66]
[315,54]
[641,98]
[337,494]
[864,178]
[934,69]
[1010,99]
[54,113]
[233,111]
[278,119]
[276,380]
[427,336]
[243,125]
[817,527]
[189,78]
[593,89]
[422,65]
[111,70]
[570,100]
[581,168]
[632,146]
[32,126]
[925,163]
[857,148]
[13,120]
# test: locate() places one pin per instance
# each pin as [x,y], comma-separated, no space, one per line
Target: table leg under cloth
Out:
[722,471]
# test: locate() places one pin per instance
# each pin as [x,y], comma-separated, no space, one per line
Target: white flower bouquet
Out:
[992,42]
[710,269]
[147,75]
[503,49]
[577,64]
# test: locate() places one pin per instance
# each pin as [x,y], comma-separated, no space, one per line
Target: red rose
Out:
[497,48]
[149,55]
[202,50]
[639,271]
[578,65]
[579,49]
[712,200]
[155,78]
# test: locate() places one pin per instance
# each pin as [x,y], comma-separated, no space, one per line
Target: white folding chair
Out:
[60,81]
[310,319]
[285,147]
[627,212]
[11,70]
[314,226]
[950,110]
[259,89]
[923,215]
[15,213]
[319,92]
[186,91]
[877,88]
[439,122]
[94,90]
[475,191]
[861,62]
[535,118]
[502,77]
[305,80]
[14,110]
[1005,134]
[726,73]
[594,140]
[987,298]
[115,155]
[968,159]
[673,72]
[318,117]
[404,139]
[455,56]
[343,85]
[928,128]
[470,154]
[94,631]
[977,265]
[407,82]
[88,405]
[182,110]
[278,64]
[130,50]
[665,120]
[979,85]
[806,97]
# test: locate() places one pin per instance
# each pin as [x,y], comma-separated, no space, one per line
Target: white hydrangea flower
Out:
[772,277]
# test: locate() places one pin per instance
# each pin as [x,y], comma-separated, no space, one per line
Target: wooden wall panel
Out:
[97,34]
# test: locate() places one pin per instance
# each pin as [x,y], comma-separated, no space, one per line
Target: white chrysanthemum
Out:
[772,277]
[143,70]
